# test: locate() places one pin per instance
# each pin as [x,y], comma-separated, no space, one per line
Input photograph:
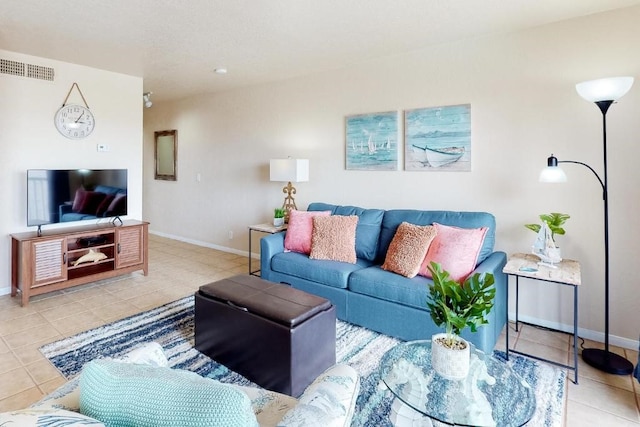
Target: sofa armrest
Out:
[328,401]
[269,246]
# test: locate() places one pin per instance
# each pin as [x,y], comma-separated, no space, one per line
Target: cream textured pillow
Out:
[455,249]
[334,238]
[408,249]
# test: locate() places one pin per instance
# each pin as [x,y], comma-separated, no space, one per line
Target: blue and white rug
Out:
[172,326]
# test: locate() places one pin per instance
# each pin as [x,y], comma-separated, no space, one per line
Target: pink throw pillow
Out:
[455,249]
[298,236]
[334,238]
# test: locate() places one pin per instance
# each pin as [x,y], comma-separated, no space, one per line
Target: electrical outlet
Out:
[198,177]
[230,235]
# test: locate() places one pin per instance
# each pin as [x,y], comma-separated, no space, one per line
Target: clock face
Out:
[74,121]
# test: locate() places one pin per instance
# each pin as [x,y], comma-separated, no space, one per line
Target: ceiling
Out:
[176,44]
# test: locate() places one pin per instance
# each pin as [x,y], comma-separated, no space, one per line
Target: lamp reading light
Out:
[603,92]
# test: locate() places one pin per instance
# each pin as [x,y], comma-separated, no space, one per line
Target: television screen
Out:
[55,196]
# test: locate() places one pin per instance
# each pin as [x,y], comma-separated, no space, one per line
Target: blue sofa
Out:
[364,294]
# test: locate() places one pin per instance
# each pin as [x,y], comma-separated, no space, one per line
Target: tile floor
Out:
[177,269]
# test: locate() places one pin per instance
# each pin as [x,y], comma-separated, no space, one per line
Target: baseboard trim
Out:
[582,333]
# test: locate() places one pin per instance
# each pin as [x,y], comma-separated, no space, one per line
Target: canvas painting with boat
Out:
[438,138]
[372,141]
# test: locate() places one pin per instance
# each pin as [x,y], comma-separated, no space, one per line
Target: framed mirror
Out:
[166,151]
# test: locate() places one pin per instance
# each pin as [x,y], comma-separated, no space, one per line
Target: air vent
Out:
[15,68]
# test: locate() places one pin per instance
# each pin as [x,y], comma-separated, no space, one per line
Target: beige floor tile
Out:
[580,415]
[105,298]
[15,381]
[16,311]
[64,310]
[621,403]
[151,300]
[585,370]
[42,371]
[75,324]
[30,353]
[46,301]
[543,351]
[20,400]
[12,326]
[30,336]
[9,362]
[82,294]
[119,310]
[4,348]
[548,338]
[49,386]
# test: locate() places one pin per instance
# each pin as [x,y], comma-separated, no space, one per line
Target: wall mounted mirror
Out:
[166,154]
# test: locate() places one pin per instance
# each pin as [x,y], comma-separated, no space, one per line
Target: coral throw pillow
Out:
[298,236]
[408,249]
[455,249]
[334,238]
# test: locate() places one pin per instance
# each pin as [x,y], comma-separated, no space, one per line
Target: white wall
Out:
[523,107]
[29,139]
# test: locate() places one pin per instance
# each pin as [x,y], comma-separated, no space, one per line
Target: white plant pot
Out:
[278,222]
[451,364]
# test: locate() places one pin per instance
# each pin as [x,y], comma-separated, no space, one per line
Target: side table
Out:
[262,228]
[566,272]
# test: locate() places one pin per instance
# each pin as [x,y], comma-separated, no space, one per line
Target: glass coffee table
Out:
[491,395]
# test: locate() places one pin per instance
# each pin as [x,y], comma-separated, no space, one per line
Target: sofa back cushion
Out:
[393,218]
[367,231]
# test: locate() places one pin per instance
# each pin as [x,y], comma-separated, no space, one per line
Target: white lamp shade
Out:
[552,174]
[289,170]
[609,89]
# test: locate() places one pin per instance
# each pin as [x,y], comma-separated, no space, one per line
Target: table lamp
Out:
[289,170]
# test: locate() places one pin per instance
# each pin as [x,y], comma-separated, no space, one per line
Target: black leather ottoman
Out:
[279,337]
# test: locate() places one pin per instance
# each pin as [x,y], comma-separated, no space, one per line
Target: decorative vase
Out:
[278,222]
[452,364]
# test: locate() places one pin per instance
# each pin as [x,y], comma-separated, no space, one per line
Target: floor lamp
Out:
[603,92]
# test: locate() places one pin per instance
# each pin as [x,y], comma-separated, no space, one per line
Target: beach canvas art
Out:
[438,138]
[372,141]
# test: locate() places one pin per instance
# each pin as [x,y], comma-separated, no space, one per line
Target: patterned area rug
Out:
[172,326]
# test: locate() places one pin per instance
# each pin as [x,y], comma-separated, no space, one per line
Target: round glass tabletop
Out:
[491,394]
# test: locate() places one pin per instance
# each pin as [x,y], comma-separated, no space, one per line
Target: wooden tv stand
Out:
[49,262]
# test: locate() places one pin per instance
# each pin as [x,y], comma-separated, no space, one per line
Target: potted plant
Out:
[554,222]
[278,217]
[457,306]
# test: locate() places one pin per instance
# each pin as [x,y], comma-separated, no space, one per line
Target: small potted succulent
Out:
[457,306]
[278,217]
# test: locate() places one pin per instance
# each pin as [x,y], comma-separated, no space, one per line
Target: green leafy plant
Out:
[278,213]
[459,305]
[554,220]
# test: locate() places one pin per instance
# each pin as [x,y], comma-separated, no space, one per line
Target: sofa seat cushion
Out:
[388,286]
[330,273]
[367,231]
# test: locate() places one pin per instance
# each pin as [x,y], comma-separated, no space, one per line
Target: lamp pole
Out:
[601,359]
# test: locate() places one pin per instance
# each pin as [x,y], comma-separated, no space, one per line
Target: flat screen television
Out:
[66,195]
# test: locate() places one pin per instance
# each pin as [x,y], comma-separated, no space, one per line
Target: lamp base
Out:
[607,361]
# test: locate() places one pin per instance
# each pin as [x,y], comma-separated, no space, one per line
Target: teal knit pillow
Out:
[124,394]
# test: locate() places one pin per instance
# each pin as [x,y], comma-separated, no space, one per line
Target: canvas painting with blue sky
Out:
[438,138]
[372,141]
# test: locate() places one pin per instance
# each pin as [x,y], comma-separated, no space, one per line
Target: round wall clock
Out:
[74,121]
